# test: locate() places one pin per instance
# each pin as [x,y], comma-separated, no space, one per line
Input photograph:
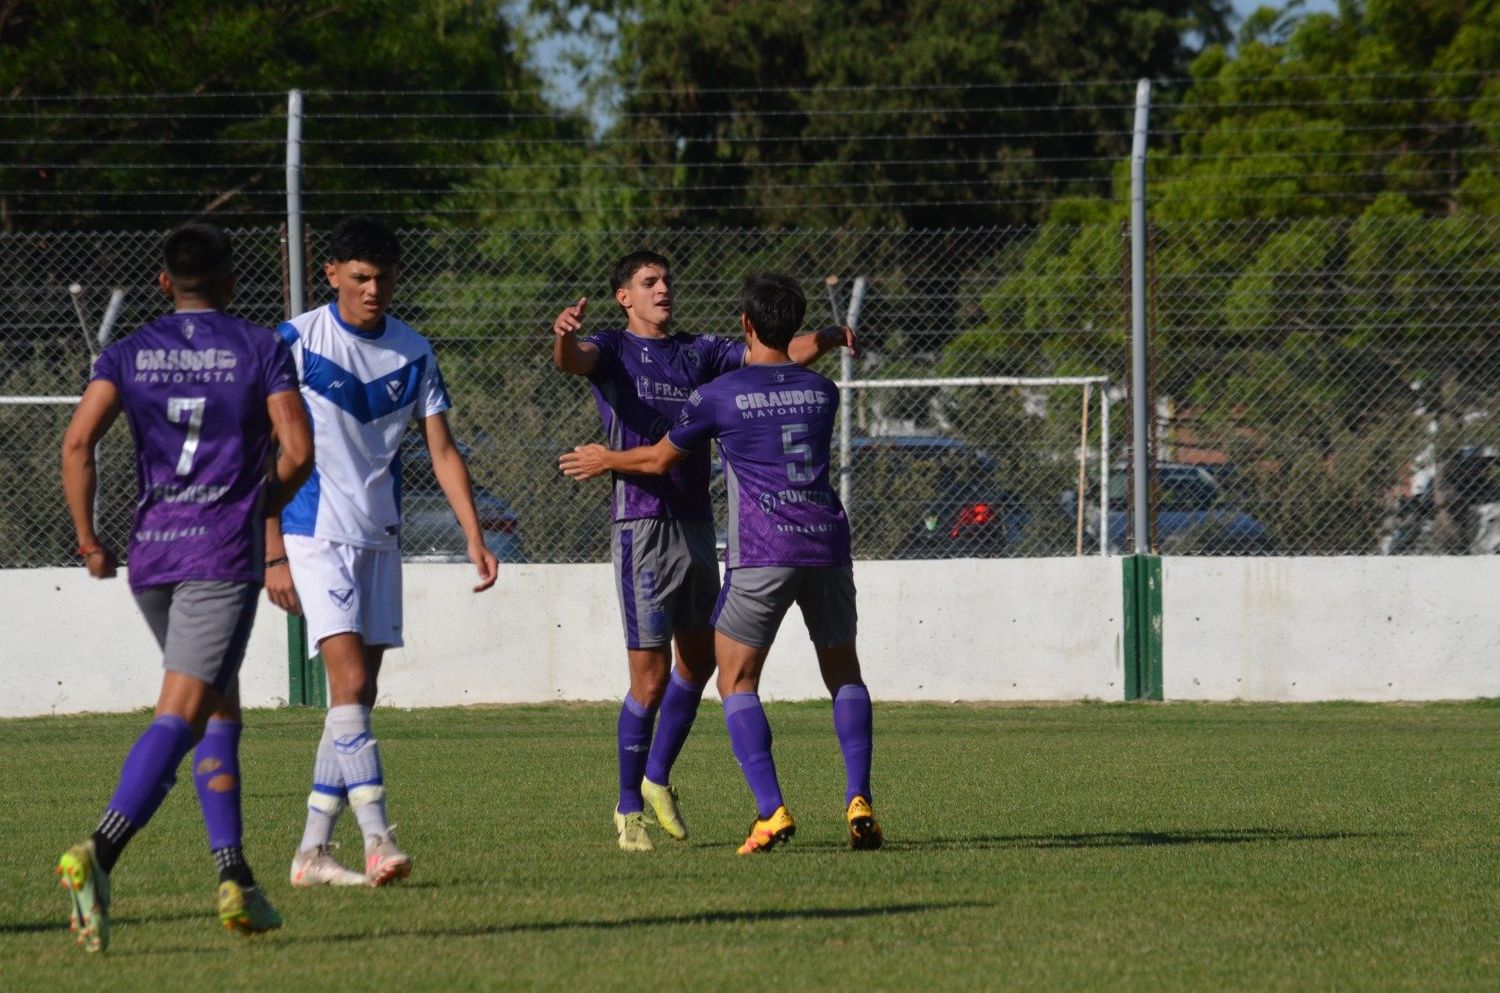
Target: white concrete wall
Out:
[1331,628]
[964,629]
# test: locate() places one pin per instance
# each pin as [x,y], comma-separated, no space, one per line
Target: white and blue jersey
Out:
[361,389]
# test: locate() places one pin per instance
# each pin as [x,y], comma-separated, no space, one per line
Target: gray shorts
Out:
[202,627]
[667,577]
[754,601]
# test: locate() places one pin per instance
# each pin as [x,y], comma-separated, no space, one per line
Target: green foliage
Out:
[210,151]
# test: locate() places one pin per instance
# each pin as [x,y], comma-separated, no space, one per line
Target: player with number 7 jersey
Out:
[193,385]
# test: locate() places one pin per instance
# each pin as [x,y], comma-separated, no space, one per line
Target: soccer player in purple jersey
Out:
[662,538]
[788,542]
[206,395]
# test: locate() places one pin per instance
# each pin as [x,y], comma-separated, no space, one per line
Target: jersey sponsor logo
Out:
[170,534]
[194,493]
[654,389]
[342,599]
[769,501]
[185,365]
[780,399]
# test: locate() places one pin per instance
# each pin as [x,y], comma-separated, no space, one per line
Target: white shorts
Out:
[347,588]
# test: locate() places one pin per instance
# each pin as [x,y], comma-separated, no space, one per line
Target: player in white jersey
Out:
[336,556]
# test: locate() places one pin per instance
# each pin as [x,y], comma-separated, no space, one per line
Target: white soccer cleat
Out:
[384,862]
[318,867]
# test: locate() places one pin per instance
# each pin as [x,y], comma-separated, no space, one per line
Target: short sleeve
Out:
[695,425]
[107,366]
[281,368]
[721,355]
[434,397]
[608,345]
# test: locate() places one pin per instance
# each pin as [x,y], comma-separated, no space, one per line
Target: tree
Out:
[181,109]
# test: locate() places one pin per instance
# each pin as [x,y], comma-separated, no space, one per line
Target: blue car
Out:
[1193,515]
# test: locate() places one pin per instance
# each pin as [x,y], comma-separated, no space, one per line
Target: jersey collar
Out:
[333,308]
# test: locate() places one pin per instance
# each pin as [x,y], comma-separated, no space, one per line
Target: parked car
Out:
[919,497]
[430,532]
[1192,513]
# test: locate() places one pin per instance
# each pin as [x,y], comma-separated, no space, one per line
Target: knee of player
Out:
[366,793]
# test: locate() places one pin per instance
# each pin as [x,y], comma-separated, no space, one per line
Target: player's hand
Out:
[571,319]
[583,462]
[484,560]
[835,336]
[101,562]
[280,590]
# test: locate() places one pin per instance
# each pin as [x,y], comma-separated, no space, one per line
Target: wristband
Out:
[84,551]
[272,563]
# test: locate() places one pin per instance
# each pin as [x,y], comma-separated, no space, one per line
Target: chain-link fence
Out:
[1322,387]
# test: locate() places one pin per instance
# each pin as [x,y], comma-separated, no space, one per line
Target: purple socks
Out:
[216,774]
[853,722]
[633,735]
[679,708]
[750,737]
[149,771]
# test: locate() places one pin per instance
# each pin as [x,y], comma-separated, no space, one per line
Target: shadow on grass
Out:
[60,922]
[626,923]
[1126,839]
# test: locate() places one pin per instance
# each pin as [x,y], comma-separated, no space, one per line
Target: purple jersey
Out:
[194,386]
[775,428]
[640,385]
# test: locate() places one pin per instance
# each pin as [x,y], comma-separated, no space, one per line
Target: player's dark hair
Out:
[364,239]
[625,269]
[775,305]
[198,256]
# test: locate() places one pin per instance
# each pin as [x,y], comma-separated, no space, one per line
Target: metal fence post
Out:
[300,677]
[846,395]
[1142,576]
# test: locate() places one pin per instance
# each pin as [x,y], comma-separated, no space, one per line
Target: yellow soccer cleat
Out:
[631,829]
[864,832]
[663,803]
[767,833]
[246,910]
[88,886]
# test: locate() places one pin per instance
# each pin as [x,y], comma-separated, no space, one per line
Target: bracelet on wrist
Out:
[279,560]
[84,551]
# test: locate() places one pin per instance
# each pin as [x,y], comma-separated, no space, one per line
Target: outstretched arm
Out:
[568,353]
[588,461]
[96,411]
[805,349]
[453,477]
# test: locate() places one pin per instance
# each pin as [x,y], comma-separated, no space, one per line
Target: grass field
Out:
[1087,847]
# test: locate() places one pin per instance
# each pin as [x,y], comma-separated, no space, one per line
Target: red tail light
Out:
[971,515]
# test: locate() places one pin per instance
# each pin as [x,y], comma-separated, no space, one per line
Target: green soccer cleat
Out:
[864,832]
[663,803]
[88,887]
[246,909]
[769,832]
[632,831]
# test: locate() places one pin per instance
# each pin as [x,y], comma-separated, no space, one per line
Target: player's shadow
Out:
[626,923]
[60,923]
[1126,839]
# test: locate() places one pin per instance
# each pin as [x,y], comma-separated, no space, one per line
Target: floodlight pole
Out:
[1139,401]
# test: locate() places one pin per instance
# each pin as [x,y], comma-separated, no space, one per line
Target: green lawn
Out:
[1085,847]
